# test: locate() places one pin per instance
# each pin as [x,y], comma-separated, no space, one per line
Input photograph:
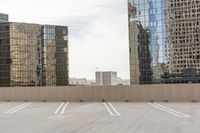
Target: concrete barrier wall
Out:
[137,93]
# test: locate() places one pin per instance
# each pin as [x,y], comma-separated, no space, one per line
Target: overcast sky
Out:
[98,31]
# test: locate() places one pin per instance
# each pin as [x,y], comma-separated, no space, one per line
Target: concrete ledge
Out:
[137,93]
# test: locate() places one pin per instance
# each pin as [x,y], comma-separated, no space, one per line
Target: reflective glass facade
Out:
[33,55]
[164,41]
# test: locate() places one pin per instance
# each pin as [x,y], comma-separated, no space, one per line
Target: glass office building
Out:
[164,41]
[33,55]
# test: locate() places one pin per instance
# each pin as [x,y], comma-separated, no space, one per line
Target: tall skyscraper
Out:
[33,54]
[164,41]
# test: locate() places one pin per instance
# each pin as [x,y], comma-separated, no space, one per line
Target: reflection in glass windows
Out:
[28,55]
[164,41]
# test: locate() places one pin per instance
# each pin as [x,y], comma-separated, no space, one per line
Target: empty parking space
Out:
[30,108]
[86,109]
[98,117]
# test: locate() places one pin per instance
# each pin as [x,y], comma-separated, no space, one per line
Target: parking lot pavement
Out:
[108,117]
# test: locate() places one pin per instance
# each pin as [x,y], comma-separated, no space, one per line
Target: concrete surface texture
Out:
[141,93]
[114,117]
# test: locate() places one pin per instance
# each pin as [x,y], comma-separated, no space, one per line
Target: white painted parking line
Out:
[61,109]
[15,109]
[20,108]
[171,111]
[185,115]
[164,110]
[111,109]
[65,106]
[114,109]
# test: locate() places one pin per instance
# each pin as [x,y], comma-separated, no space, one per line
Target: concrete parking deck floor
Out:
[67,117]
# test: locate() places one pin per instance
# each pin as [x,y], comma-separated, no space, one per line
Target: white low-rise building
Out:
[106,78]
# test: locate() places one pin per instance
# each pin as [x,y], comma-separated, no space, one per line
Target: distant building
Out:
[79,81]
[121,81]
[33,55]
[106,78]
[92,82]
[3,17]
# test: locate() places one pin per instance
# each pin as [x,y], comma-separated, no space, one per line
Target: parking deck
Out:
[115,117]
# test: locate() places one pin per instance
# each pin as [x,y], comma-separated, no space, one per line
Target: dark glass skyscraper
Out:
[164,41]
[33,55]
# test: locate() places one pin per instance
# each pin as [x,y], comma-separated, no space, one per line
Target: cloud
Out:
[98,30]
